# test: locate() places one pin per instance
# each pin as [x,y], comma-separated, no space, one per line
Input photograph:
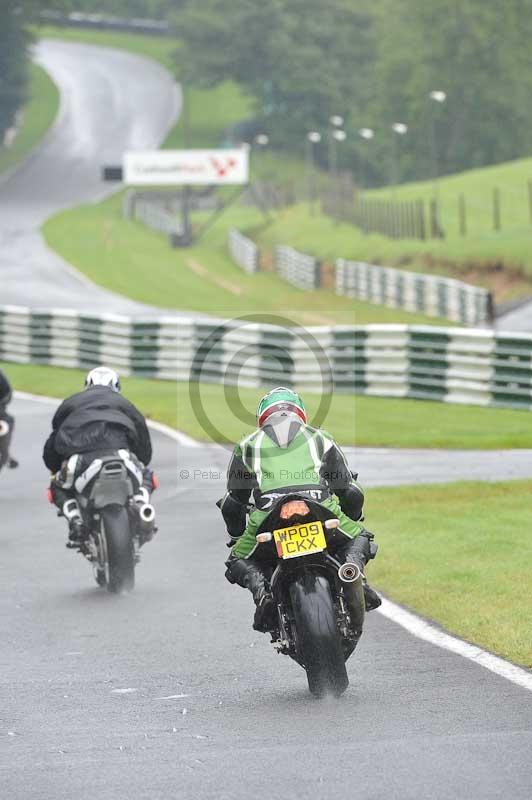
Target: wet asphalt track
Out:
[520,319]
[94,688]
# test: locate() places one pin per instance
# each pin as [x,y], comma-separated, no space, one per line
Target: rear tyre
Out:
[318,638]
[120,551]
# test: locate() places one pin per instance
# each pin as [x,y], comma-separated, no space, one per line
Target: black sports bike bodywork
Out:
[319,600]
[117,523]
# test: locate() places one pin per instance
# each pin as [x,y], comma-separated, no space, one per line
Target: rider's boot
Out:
[249,575]
[12,463]
[76,529]
[359,551]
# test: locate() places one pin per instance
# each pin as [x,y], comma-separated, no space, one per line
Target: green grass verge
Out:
[361,421]
[129,258]
[38,115]
[460,554]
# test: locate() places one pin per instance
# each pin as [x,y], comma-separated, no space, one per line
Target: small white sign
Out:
[186,167]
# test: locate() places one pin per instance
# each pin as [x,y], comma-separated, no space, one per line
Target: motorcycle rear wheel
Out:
[318,639]
[120,551]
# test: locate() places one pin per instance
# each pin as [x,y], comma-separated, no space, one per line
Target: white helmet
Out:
[103,376]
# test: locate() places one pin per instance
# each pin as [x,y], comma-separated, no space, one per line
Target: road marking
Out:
[415,625]
[424,630]
[177,436]
[173,697]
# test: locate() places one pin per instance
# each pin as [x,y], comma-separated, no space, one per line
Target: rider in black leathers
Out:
[95,422]
[5,399]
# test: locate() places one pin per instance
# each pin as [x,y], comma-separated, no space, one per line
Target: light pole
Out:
[367,134]
[438,97]
[399,129]
[262,140]
[312,138]
[336,122]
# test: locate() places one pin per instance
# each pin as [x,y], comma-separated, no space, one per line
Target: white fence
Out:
[152,214]
[244,251]
[455,365]
[297,268]
[432,295]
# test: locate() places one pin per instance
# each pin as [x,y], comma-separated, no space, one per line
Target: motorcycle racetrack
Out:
[167,692]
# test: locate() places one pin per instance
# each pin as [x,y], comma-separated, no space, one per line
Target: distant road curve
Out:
[111,101]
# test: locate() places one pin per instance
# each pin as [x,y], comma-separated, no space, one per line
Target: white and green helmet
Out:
[280,399]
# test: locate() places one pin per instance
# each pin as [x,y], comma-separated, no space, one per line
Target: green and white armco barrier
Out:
[432,295]
[454,365]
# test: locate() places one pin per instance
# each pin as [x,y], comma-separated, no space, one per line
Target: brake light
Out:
[155,482]
[49,495]
[293,508]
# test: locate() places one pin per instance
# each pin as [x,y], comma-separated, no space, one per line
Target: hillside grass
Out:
[38,116]
[129,258]
[483,252]
[460,554]
[353,420]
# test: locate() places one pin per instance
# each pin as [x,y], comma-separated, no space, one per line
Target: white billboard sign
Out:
[186,167]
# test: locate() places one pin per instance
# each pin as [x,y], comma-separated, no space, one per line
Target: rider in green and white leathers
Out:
[286,455]
[305,464]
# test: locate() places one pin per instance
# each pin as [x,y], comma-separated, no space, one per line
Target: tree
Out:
[479,54]
[15,40]
[302,60]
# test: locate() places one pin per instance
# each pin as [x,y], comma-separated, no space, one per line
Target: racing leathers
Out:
[311,463]
[92,423]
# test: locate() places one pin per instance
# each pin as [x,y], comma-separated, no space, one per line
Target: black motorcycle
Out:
[117,517]
[320,601]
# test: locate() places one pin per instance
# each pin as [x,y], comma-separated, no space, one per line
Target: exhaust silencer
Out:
[147,519]
[4,427]
[349,573]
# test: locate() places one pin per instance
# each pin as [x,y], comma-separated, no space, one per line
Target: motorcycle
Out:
[319,601]
[117,516]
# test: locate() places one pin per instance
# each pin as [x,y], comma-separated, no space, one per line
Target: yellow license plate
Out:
[300,540]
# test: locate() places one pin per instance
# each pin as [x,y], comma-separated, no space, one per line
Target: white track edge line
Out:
[176,435]
[417,626]
[424,630]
